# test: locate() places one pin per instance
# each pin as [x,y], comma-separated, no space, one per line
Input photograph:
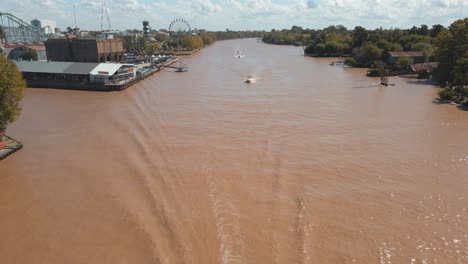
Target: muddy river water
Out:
[310,164]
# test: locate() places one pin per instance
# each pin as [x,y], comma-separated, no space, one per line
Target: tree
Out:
[367,54]
[423,30]
[452,53]
[360,36]
[208,38]
[12,86]
[297,30]
[435,30]
[28,54]
[426,48]
[151,48]
[191,42]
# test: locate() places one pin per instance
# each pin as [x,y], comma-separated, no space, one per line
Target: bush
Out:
[446,94]
[350,62]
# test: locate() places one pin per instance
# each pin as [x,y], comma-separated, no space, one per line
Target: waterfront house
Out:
[424,70]
[393,56]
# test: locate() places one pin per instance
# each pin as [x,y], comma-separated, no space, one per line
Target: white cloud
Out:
[244,14]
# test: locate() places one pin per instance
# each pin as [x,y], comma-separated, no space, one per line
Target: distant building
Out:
[84,50]
[45,26]
[424,70]
[106,35]
[393,56]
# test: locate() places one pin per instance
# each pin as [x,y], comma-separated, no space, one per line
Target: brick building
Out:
[84,50]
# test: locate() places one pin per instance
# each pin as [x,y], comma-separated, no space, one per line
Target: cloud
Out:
[205,7]
[312,4]
[244,14]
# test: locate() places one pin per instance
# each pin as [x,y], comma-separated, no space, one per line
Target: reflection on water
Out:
[200,167]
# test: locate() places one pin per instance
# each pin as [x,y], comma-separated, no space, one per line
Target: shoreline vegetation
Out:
[363,48]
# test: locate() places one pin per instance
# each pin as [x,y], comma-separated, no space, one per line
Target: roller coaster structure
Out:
[17,30]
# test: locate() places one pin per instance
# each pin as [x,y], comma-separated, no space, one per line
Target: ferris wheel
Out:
[179,25]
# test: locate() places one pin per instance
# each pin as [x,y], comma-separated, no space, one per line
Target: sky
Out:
[241,14]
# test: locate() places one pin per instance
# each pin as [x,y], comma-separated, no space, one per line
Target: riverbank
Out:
[187,53]
[454,95]
[11,147]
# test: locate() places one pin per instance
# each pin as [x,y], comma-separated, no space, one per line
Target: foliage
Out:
[402,63]
[367,54]
[134,43]
[152,48]
[2,33]
[208,38]
[28,54]
[191,42]
[446,94]
[452,53]
[351,62]
[360,36]
[12,86]
[426,48]
[436,29]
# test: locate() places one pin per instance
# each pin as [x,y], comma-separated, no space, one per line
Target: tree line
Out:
[365,48]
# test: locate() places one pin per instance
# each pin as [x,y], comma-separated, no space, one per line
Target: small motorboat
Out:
[250,79]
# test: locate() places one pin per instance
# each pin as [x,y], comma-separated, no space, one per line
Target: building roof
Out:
[32,45]
[107,69]
[406,54]
[428,66]
[56,67]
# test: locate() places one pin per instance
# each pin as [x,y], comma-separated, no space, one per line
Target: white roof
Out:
[107,69]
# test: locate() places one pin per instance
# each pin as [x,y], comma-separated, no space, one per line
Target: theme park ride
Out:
[18,31]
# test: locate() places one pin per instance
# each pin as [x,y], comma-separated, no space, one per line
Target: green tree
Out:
[367,54]
[12,86]
[403,62]
[297,30]
[423,30]
[435,30]
[426,48]
[452,53]
[152,48]
[28,54]
[360,36]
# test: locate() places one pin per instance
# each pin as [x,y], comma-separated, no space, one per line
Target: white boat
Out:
[250,79]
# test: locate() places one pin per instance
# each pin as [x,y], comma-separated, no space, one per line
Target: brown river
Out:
[310,164]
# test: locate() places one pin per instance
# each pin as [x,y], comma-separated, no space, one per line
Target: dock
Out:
[11,147]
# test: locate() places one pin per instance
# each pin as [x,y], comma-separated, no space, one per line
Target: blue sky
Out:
[242,14]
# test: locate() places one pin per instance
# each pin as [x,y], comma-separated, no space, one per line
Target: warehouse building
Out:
[84,50]
[75,75]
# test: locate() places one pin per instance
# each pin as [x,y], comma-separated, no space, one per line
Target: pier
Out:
[11,147]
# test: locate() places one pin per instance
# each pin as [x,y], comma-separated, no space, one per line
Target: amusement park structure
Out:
[17,30]
[177,29]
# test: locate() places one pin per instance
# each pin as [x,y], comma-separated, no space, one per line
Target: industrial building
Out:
[84,50]
[45,26]
[76,75]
